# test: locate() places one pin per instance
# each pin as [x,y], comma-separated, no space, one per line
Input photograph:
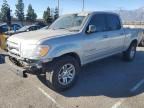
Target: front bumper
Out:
[16,69]
[33,68]
[22,71]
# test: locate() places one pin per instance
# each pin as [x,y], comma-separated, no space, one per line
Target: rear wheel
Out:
[63,73]
[130,53]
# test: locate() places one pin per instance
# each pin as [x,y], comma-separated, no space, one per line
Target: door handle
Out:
[105,36]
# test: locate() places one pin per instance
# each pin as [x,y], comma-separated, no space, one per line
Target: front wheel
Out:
[130,53]
[142,43]
[63,74]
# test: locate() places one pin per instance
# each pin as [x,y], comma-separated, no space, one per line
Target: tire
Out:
[53,78]
[142,43]
[130,53]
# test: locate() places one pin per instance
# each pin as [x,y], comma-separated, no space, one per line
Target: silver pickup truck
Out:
[70,42]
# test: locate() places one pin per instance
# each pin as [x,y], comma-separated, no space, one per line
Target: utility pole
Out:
[9,18]
[58,7]
[83,5]
[141,20]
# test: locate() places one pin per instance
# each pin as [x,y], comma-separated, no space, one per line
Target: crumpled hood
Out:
[34,37]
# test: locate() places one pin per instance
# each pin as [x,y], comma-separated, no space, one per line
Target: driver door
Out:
[96,45]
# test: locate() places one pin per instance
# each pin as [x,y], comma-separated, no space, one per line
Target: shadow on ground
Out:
[110,77]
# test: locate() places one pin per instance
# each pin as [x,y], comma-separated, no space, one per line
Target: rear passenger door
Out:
[115,33]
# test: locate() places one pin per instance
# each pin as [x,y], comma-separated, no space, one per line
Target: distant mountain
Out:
[132,15]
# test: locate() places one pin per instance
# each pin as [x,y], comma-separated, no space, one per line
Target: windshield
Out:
[44,28]
[69,22]
[24,28]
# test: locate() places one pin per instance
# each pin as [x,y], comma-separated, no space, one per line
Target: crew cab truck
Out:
[71,42]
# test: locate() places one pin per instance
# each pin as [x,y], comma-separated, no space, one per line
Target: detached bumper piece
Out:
[16,69]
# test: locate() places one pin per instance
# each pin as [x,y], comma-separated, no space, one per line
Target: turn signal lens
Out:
[44,51]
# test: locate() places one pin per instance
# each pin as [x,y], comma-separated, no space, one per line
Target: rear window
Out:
[113,22]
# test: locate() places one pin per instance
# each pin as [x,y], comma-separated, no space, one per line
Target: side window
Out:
[113,22]
[99,20]
[34,28]
[37,27]
[30,29]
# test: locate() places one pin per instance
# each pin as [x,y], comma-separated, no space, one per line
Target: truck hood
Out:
[34,37]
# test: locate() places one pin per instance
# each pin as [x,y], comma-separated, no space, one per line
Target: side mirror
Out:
[91,29]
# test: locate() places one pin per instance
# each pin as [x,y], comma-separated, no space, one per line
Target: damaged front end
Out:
[19,64]
[22,67]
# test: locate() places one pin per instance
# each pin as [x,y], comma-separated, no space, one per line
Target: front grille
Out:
[13,48]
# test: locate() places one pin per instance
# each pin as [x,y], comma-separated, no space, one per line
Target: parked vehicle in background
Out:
[13,27]
[44,28]
[41,24]
[24,29]
[21,30]
[142,41]
[70,42]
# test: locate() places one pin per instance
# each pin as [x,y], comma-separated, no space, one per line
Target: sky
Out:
[70,6]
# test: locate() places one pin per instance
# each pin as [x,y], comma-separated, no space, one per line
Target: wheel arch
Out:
[71,54]
[134,41]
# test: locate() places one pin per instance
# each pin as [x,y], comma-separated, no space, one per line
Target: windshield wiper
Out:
[60,28]
[63,28]
[71,30]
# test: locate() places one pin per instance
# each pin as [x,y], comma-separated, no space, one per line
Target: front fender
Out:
[65,49]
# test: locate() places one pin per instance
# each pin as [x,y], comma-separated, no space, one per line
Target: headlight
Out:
[34,51]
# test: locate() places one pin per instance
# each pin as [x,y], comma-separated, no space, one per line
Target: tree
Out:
[0,17]
[47,16]
[4,10]
[56,13]
[31,15]
[19,12]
